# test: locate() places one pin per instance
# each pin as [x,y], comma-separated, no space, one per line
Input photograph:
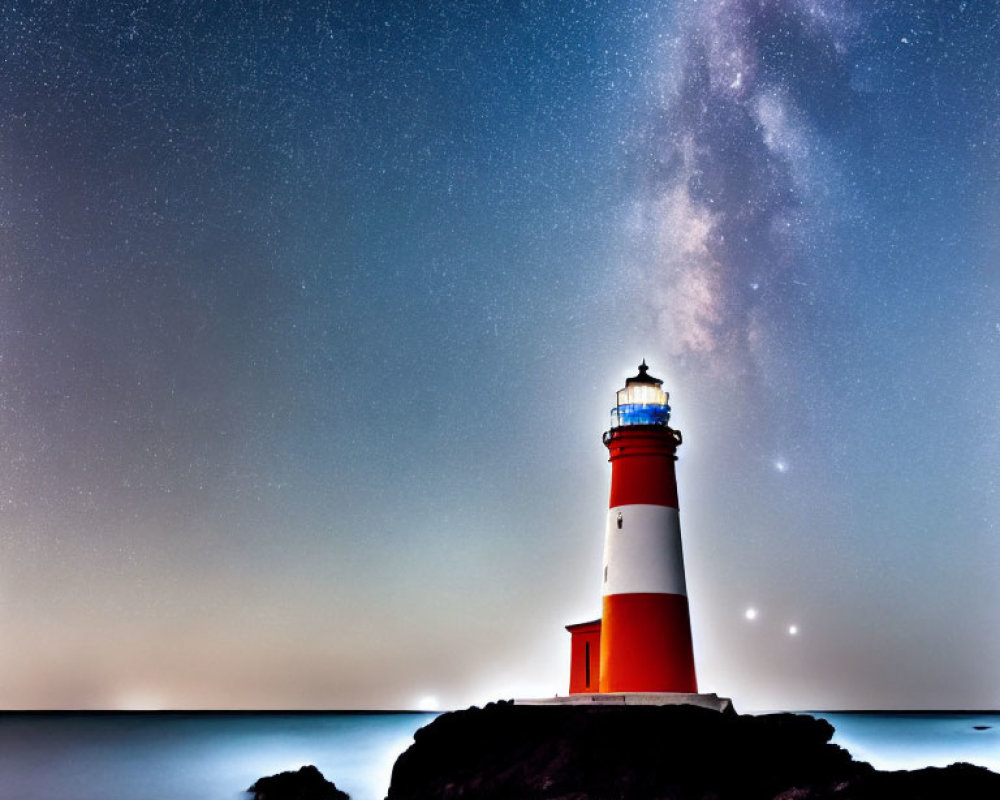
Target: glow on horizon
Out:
[428,703]
[140,700]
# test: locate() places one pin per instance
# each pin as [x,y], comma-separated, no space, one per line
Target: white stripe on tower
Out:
[642,551]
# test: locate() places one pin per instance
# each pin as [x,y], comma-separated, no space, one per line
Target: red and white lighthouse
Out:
[645,625]
[642,643]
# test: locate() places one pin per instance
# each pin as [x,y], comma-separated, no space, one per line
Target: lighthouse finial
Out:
[643,376]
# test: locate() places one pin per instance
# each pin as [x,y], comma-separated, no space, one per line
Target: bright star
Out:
[750,613]
[793,630]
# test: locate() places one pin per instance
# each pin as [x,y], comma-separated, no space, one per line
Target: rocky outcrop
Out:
[504,751]
[307,783]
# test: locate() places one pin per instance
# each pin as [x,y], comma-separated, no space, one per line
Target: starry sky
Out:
[311,316]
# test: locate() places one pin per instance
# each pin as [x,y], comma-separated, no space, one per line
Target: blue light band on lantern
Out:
[639,414]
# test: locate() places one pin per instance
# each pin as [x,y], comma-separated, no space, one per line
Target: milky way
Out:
[749,91]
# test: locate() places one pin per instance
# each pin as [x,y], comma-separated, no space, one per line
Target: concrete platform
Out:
[712,701]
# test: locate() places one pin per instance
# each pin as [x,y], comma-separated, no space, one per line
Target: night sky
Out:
[311,317]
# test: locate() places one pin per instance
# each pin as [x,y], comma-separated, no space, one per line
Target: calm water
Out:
[216,756]
[194,756]
[914,740]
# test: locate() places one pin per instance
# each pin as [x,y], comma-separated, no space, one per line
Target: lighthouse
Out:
[639,652]
[645,638]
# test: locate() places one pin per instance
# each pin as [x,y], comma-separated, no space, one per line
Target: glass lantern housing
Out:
[641,402]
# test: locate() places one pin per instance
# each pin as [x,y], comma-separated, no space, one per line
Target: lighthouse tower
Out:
[645,636]
[639,651]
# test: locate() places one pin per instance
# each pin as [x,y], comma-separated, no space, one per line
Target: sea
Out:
[217,756]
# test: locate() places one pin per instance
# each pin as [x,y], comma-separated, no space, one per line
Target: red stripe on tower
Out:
[645,635]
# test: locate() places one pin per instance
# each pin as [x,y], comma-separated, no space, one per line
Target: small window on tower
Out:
[605,574]
[619,520]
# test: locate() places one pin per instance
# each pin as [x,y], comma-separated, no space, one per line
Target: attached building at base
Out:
[585,657]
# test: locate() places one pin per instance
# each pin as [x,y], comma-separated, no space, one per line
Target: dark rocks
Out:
[963,781]
[306,784]
[651,753]
[956,781]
